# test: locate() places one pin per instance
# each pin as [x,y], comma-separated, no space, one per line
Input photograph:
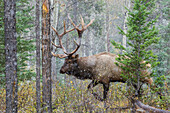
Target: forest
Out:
[84,56]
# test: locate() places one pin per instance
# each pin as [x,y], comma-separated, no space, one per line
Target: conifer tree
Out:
[25,46]
[163,47]
[141,34]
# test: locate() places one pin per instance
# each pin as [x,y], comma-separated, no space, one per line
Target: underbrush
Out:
[73,97]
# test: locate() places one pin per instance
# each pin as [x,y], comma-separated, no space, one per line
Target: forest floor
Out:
[73,97]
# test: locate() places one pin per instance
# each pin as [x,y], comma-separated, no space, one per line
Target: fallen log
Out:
[148,108]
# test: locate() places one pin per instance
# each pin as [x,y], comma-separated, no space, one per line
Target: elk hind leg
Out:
[92,84]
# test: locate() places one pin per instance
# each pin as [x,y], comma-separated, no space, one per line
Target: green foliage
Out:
[24,23]
[162,48]
[24,44]
[141,34]
[2,50]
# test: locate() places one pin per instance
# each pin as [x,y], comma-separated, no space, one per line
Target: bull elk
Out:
[99,68]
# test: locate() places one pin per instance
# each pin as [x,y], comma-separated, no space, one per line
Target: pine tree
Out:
[141,34]
[2,44]
[163,48]
[25,44]
[24,22]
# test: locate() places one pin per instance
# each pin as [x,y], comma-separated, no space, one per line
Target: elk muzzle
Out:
[62,71]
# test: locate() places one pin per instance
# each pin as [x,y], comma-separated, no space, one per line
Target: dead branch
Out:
[148,108]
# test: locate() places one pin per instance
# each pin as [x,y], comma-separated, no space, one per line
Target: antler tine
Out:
[76,27]
[55,31]
[82,22]
[78,46]
[59,55]
[76,42]
[60,42]
[89,24]
[64,27]
[65,31]
[57,46]
[80,32]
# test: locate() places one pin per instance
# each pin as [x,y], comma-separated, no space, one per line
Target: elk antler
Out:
[80,32]
[60,37]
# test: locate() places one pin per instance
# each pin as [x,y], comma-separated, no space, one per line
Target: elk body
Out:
[99,68]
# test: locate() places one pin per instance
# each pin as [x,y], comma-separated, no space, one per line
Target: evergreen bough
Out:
[141,34]
[25,46]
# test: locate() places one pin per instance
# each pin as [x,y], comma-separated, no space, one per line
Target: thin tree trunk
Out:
[75,15]
[87,45]
[10,56]
[127,4]
[53,61]
[107,27]
[38,102]
[75,10]
[125,31]
[46,57]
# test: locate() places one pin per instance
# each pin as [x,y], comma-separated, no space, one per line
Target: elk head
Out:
[70,64]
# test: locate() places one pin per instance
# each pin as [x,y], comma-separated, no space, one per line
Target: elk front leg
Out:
[106,89]
[90,86]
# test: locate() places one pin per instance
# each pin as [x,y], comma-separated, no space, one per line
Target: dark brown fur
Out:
[99,68]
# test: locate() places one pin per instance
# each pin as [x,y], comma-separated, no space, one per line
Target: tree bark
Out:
[54,24]
[46,57]
[107,27]
[87,44]
[38,102]
[10,56]
[127,4]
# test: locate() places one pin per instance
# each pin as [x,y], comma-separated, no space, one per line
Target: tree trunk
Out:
[75,12]
[46,57]
[56,15]
[127,4]
[125,30]
[87,45]
[75,15]
[38,102]
[107,27]
[10,56]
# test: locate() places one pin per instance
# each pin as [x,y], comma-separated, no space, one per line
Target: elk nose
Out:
[61,71]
